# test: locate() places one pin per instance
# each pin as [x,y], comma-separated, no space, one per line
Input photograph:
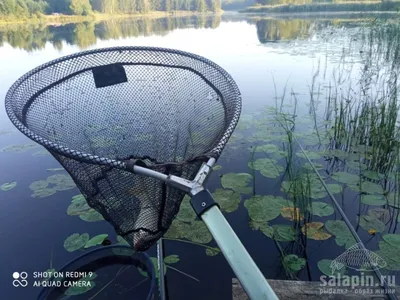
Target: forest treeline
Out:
[26,8]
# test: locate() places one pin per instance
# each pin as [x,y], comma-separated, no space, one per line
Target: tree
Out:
[80,7]
[201,6]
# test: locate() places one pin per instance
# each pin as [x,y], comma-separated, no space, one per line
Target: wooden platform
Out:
[310,290]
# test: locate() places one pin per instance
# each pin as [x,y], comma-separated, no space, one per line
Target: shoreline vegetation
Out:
[67,19]
[61,11]
[326,7]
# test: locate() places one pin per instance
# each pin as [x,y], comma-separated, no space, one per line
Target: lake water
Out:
[266,56]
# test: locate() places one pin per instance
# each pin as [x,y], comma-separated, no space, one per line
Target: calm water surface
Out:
[263,55]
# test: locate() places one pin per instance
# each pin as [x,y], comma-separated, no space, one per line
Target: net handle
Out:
[242,264]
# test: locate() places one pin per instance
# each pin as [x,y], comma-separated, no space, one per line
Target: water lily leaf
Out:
[42,193]
[291,213]
[91,216]
[339,229]
[227,199]
[263,227]
[79,290]
[373,200]
[8,186]
[321,209]
[272,172]
[314,231]
[292,263]
[266,208]
[76,241]
[394,200]
[77,206]
[217,168]
[121,240]
[284,233]
[38,185]
[373,175]
[63,182]
[213,251]
[367,187]
[380,214]
[355,165]
[262,163]
[97,240]
[186,212]
[392,239]
[239,182]
[55,169]
[175,230]
[18,148]
[269,148]
[197,232]
[337,153]
[324,265]
[317,166]
[311,155]
[390,254]
[344,177]
[171,259]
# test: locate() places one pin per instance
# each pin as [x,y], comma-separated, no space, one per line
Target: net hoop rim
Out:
[140,256]
[94,159]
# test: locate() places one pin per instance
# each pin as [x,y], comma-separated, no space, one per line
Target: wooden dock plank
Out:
[310,290]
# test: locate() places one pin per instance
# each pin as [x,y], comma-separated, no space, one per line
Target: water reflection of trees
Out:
[269,30]
[34,36]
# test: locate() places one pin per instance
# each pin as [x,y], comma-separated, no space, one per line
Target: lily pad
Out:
[390,255]
[217,168]
[186,212]
[284,233]
[38,185]
[311,155]
[76,241]
[339,229]
[324,265]
[77,206]
[171,259]
[292,263]
[272,172]
[41,153]
[355,165]
[42,193]
[121,240]
[239,182]
[63,182]
[91,216]
[197,232]
[337,153]
[321,209]
[314,231]
[392,239]
[347,178]
[18,148]
[262,163]
[80,289]
[263,227]
[97,240]
[381,214]
[317,166]
[367,187]
[55,169]
[373,175]
[266,208]
[227,199]
[373,200]
[269,148]
[291,213]
[212,251]
[394,200]
[8,186]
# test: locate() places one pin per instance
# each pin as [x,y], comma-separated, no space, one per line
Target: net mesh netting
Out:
[97,110]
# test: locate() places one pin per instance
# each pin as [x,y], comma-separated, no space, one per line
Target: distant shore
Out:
[64,19]
[337,7]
